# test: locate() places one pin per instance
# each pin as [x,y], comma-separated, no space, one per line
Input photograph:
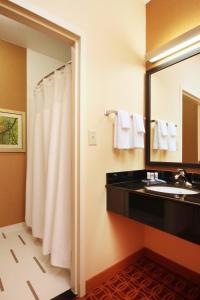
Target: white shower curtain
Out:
[48,183]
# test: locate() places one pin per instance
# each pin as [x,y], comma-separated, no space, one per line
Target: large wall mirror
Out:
[173,113]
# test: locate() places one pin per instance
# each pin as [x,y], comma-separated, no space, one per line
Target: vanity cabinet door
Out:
[147,210]
[183,220]
[178,218]
[196,225]
[117,201]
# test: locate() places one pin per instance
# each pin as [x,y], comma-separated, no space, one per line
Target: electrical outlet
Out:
[92,138]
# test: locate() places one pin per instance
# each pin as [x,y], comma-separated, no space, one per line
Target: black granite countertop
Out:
[138,187]
[172,213]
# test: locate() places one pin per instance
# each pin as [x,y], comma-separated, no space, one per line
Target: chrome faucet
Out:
[181,178]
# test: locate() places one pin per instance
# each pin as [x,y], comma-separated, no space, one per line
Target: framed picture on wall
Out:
[12,131]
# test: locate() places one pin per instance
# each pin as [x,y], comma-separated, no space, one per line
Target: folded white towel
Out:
[139,123]
[121,134]
[172,141]
[160,137]
[124,118]
[137,131]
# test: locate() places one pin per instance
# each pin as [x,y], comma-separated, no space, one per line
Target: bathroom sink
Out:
[171,190]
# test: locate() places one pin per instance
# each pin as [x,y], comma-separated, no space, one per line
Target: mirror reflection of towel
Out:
[160,135]
[172,141]
[163,127]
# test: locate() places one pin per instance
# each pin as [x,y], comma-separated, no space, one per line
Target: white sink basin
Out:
[171,190]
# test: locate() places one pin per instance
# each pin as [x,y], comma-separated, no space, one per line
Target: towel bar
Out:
[155,121]
[108,112]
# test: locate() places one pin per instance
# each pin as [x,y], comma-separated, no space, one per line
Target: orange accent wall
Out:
[176,249]
[166,20]
[13,165]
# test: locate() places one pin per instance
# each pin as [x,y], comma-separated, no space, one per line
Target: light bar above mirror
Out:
[179,46]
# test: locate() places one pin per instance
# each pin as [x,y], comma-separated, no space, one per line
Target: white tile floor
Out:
[14,276]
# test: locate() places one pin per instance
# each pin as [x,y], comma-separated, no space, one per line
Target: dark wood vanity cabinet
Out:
[175,217]
[117,200]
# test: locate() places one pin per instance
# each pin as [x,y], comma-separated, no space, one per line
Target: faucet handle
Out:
[181,172]
[181,178]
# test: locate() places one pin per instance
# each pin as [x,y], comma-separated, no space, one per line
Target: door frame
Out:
[41,20]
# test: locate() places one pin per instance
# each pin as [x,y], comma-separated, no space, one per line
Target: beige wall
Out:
[13,165]
[114,79]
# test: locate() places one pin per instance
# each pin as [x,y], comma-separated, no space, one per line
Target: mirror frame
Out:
[148,113]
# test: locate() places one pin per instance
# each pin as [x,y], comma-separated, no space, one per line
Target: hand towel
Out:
[124,118]
[160,137]
[121,134]
[137,131]
[139,123]
[172,141]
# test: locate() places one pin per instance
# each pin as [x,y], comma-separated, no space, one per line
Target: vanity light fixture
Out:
[187,42]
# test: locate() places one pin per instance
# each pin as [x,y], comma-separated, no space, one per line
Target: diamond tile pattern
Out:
[145,280]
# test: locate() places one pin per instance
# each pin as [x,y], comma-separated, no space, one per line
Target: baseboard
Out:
[172,266]
[98,279]
[13,227]
[68,295]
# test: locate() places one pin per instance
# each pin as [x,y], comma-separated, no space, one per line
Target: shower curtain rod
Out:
[58,69]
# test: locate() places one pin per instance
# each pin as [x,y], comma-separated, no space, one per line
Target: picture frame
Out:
[12,131]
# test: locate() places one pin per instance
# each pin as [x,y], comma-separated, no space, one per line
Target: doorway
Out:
[44,24]
[190,128]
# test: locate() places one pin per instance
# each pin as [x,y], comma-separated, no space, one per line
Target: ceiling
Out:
[24,36]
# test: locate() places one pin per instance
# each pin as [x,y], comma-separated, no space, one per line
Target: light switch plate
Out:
[92,138]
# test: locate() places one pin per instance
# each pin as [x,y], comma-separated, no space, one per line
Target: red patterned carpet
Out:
[145,280]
